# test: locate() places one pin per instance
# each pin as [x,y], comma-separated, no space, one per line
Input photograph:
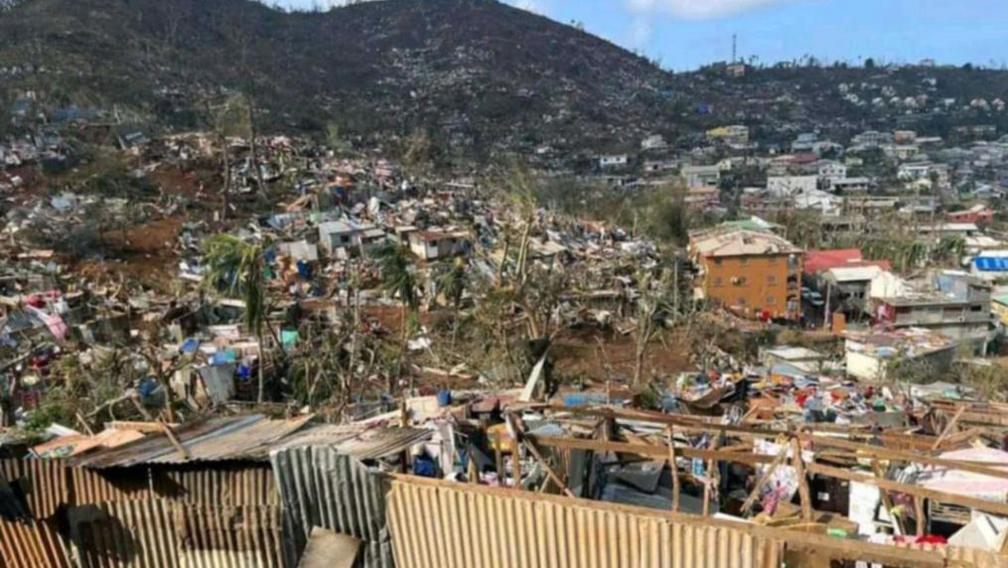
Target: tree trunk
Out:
[262,363]
[226,191]
[252,145]
[404,345]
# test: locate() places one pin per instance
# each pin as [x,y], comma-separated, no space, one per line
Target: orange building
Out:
[753,273]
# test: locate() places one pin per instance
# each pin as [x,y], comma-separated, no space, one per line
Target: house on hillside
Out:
[613,161]
[434,245]
[876,355]
[786,186]
[699,176]
[955,304]
[338,238]
[978,214]
[756,274]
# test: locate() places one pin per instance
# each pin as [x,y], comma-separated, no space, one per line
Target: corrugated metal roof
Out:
[319,487]
[248,437]
[358,442]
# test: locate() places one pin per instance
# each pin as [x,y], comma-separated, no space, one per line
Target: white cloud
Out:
[697,9]
[534,6]
[640,32]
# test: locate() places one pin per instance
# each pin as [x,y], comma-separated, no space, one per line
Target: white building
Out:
[784,186]
[613,161]
[830,170]
[653,142]
[346,237]
[699,176]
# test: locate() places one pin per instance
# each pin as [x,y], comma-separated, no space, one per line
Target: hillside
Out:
[480,77]
[476,73]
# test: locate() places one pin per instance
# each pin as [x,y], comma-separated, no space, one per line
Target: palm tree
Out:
[236,267]
[398,277]
[453,283]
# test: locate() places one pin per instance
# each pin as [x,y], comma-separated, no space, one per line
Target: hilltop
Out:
[481,78]
[477,73]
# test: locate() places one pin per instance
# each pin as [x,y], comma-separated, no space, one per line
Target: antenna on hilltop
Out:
[734,48]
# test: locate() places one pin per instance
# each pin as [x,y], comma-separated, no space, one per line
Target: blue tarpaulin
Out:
[991,263]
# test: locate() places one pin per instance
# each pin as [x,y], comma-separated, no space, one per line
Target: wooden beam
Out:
[948,428]
[175,441]
[712,478]
[650,450]
[914,490]
[763,479]
[900,455]
[549,471]
[803,487]
[675,469]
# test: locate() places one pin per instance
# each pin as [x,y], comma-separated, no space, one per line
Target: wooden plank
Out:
[675,469]
[649,450]
[914,490]
[803,488]
[175,441]
[549,471]
[948,428]
[889,454]
[763,479]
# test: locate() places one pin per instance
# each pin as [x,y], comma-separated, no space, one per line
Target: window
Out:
[741,301]
[772,260]
[771,300]
[739,281]
[717,261]
[716,282]
[744,261]
[771,280]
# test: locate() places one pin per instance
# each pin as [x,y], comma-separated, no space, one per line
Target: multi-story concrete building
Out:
[755,274]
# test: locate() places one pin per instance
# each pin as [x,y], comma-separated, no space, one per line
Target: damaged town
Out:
[759,338]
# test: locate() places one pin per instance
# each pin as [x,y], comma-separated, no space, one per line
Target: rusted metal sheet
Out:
[442,525]
[321,488]
[240,536]
[92,487]
[32,544]
[126,533]
[156,533]
[43,482]
[248,437]
[220,485]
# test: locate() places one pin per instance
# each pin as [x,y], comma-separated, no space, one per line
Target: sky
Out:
[685,34]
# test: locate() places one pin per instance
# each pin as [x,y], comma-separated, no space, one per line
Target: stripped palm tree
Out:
[398,277]
[237,268]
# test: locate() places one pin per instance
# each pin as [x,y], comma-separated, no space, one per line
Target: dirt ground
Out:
[144,253]
[599,356]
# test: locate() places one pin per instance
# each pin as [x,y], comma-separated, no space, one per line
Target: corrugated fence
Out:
[439,525]
[322,488]
[161,533]
[32,544]
[221,516]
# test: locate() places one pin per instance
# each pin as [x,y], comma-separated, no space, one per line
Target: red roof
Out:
[817,261]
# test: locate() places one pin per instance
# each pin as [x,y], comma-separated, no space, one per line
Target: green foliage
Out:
[236,268]
[453,282]
[398,274]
